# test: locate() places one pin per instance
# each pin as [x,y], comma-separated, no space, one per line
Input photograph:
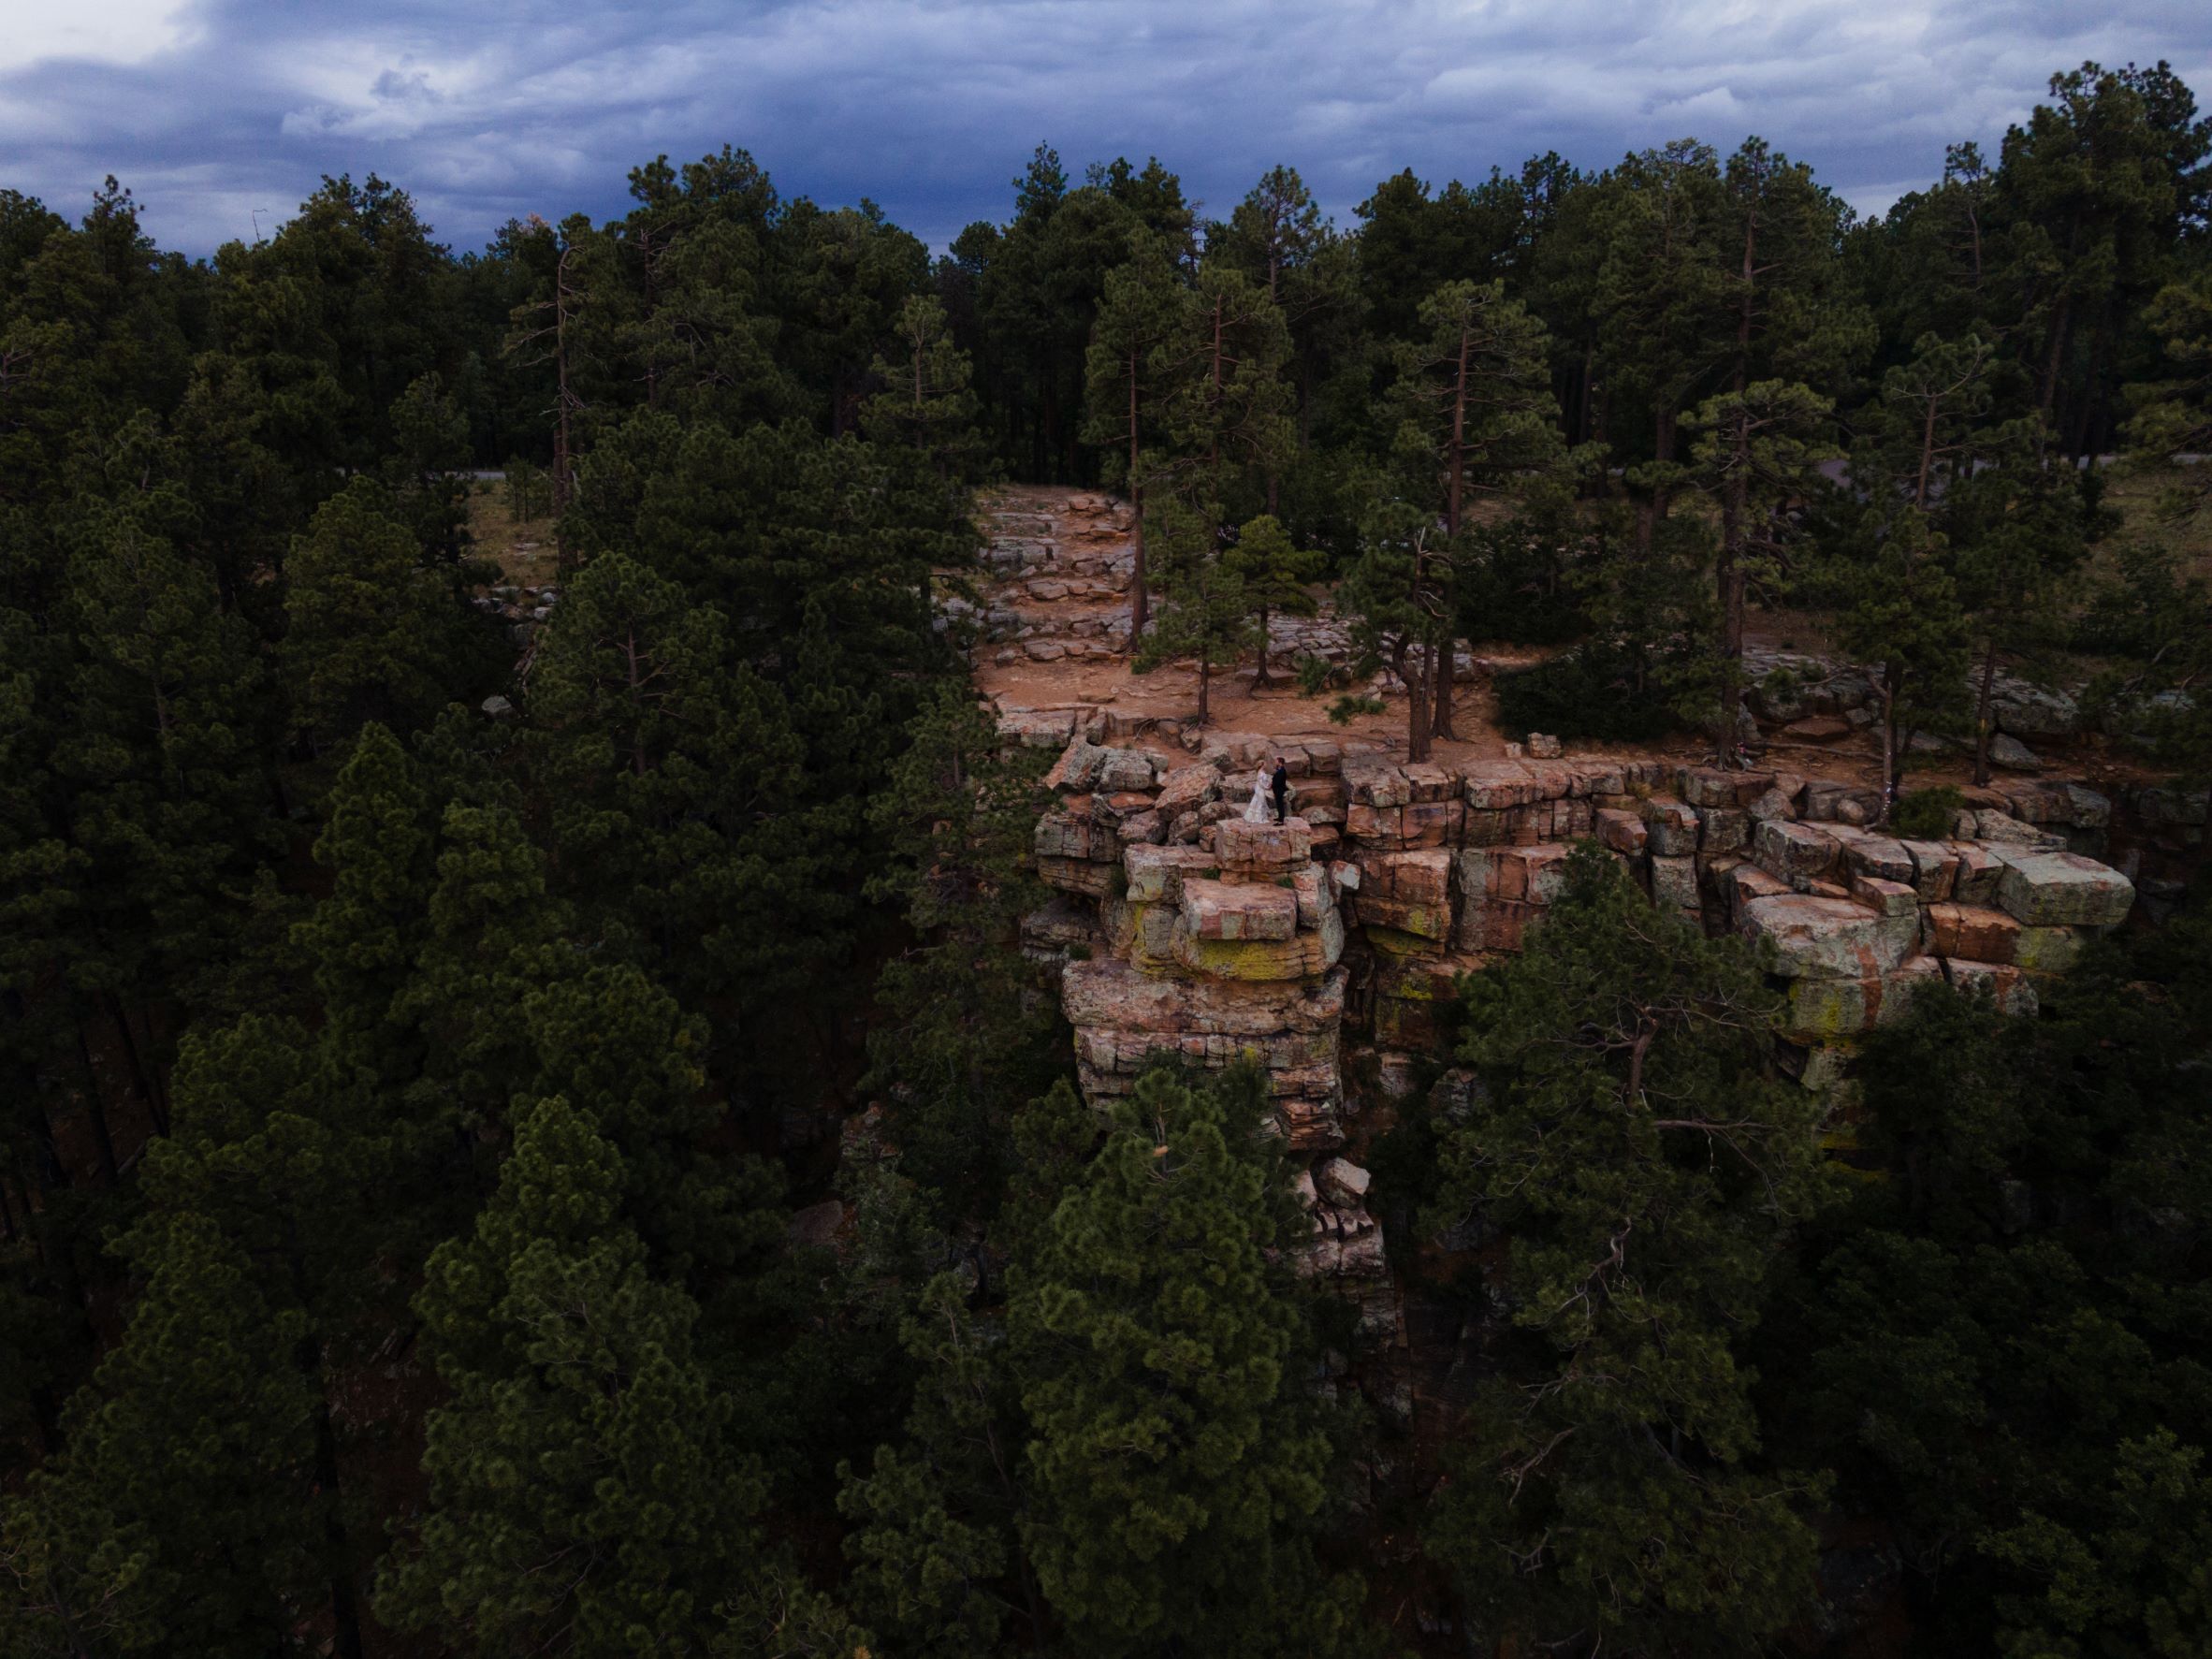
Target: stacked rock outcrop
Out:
[1187,930]
[1218,951]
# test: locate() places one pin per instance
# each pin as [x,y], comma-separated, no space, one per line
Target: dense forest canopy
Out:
[419,1026]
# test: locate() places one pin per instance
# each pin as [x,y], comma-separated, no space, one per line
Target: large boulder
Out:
[1935,867]
[1267,846]
[1188,787]
[2062,889]
[1407,892]
[1815,937]
[1793,851]
[1156,874]
[1819,1011]
[2011,990]
[1623,832]
[1972,932]
[1867,852]
[1215,910]
[1830,801]
[1671,826]
[1113,993]
[1300,956]
[2031,711]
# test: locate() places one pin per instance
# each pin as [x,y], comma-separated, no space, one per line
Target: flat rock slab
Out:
[1785,849]
[1935,867]
[2011,991]
[1867,852]
[2062,890]
[1417,878]
[1113,993]
[1189,786]
[1674,882]
[1156,873]
[1303,956]
[1216,909]
[1671,825]
[1823,1011]
[1833,938]
[1972,932]
[1623,832]
[1043,728]
[1263,846]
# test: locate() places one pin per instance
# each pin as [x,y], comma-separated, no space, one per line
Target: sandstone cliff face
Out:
[1344,931]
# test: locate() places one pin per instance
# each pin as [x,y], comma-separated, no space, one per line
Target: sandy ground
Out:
[1171,691]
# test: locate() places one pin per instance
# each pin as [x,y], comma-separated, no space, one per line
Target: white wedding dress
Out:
[1257,810]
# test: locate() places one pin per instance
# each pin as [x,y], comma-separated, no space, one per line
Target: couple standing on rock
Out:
[1264,784]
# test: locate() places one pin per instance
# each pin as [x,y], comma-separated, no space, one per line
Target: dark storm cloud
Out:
[484,111]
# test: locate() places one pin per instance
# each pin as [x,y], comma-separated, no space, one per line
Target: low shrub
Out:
[1925,814]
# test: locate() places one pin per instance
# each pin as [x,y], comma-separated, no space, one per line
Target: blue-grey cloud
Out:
[214,109]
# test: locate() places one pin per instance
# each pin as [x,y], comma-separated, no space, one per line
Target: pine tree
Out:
[1756,449]
[378,841]
[1394,597]
[1124,380]
[2020,536]
[844,278]
[494,936]
[1660,298]
[937,1561]
[172,1520]
[2174,413]
[1273,573]
[619,1049]
[369,629]
[427,470]
[584,1496]
[1482,419]
[1205,613]
[1986,1345]
[1644,1166]
[968,1038]
[168,796]
[207,1438]
[926,403]
[678,795]
[1175,1466]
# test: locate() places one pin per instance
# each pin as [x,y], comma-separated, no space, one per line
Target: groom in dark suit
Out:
[1281,786]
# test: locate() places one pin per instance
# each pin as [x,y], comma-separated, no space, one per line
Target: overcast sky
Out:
[212,108]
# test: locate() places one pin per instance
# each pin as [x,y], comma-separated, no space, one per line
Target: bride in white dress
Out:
[1257,810]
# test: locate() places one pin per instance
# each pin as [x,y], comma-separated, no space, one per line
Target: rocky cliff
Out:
[1326,946]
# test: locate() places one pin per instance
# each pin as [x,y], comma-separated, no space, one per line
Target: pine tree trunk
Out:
[1205,686]
[1440,691]
[1415,676]
[1734,509]
[1455,472]
[1260,681]
[1139,603]
[1889,744]
[564,451]
[145,1075]
[345,1613]
[1653,507]
[1981,702]
[97,1109]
